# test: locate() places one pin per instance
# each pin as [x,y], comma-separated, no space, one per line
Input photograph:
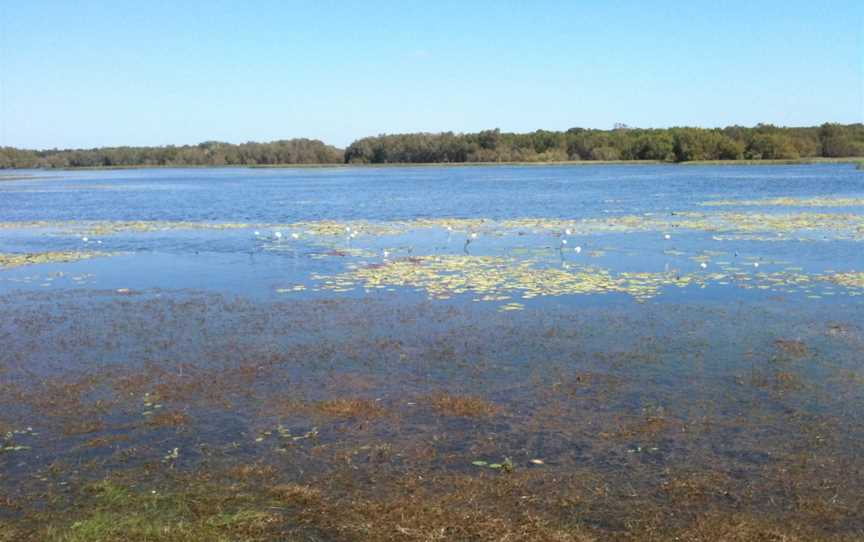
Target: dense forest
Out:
[210,153]
[622,143]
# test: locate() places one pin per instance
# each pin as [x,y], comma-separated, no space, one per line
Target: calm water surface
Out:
[651,326]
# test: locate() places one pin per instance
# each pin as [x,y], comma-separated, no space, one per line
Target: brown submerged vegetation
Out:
[522,505]
[650,424]
[462,405]
[350,408]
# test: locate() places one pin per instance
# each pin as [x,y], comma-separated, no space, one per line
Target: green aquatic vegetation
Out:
[9,260]
[112,512]
[445,276]
[172,456]
[340,234]
[792,280]
[21,177]
[511,281]
[841,225]
[844,225]
[788,202]
[14,448]
[506,465]
[339,252]
[9,444]
[105,228]
[850,280]
[29,224]
[334,228]
[142,226]
[295,288]
[286,435]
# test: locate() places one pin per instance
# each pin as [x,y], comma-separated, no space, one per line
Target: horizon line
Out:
[616,127]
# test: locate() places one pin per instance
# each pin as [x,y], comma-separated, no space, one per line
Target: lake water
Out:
[628,350]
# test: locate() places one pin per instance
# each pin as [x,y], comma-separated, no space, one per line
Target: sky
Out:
[80,74]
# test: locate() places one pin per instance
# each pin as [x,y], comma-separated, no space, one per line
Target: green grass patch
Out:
[113,512]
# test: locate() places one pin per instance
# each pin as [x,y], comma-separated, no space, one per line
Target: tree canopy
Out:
[681,144]
[210,153]
[670,145]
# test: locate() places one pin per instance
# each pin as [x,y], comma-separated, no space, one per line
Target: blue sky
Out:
[85,73]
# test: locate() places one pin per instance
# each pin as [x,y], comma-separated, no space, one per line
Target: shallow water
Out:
[645,325]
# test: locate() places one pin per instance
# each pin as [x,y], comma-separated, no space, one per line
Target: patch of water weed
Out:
[9,260]
[350,408]
[840,225]
[787,202]
[497,278]
[468,406]
[116,512]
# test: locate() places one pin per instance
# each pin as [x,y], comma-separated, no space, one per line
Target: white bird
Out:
[578,250]
[703,265]
[563,241]
[295,236]
[568,231]
[473,236]
[667,236]
[257,233]
[386,253]
[85,239]
[278,235]
[755,264]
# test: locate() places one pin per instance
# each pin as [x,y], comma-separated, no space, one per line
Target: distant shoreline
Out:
[765,162]
[762,143]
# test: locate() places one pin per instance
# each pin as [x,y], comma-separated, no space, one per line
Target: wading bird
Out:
[468,241]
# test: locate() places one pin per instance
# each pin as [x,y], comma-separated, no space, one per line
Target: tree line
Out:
[684,144]
[210,153]
[668,145]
